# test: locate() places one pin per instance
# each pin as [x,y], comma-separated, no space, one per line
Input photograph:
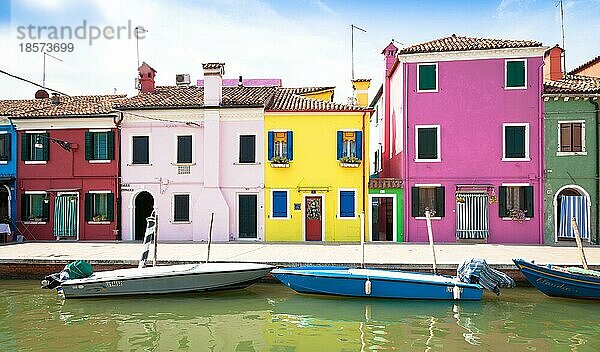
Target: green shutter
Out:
[440,202]
[514,141]
[427,77]
[415,202]
[89,197]
[529,201]
[515,73]
[25,147]
[427,143]
[110,206]
[46,143]
[111,145]
[89,146]
[46,209]
[24,207]
[502,202]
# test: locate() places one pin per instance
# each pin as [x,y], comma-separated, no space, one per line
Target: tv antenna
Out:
[44,68]
[352,28]
[136,30]
[562,29]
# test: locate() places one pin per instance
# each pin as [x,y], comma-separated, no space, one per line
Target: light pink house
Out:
[465,133]
[188,152]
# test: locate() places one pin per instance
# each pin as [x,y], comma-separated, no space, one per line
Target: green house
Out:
[572,165]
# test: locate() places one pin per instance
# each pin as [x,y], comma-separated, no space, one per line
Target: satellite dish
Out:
[41,94]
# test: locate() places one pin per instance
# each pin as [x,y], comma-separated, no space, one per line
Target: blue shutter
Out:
[359,145]
[279,204]
[290,146]
[340,144]
[271,137]
[347,204]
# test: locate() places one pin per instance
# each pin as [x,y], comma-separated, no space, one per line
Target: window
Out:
[571,137]
[427,143]
[280,145]
[35,146]
[184,149]
[280,204]
[516,74]
[35,207]
[349,144]
[5,148]
[428,197]
[99,206]
[181,208]
[99,145]
[247,149]
[516,142]
[141,150]
[514,200]
[347,204]
[427,78]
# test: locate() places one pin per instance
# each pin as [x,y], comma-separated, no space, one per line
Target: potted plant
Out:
[349,161]
[99,218]
[460,200]
[35,218]
[280,161]
[517,215]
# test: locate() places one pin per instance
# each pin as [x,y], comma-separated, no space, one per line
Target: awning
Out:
[63,190]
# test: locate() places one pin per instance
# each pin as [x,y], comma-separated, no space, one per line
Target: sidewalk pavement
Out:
[392,256]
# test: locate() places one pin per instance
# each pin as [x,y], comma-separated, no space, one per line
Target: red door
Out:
[313,218]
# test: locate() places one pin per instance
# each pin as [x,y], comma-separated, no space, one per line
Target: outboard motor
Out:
[478,271]
[76,270]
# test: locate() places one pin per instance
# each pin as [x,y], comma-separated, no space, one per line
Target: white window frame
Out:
[439,144]
[515,124]
[36,162]
[256,152]
[4,162]
[189,221]
[583,150]
[91,222]
[506,74]
[149,150]
[287,205]
[521,185]
[36,222]
[428,185]
[100,161]
[177,148]
[339,207]
[437,73]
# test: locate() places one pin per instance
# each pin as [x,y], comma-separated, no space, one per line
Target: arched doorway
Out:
[144,204]
[571,201]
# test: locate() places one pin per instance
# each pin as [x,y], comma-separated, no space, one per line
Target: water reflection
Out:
[270,317]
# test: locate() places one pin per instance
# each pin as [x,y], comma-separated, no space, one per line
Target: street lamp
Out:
[63,144]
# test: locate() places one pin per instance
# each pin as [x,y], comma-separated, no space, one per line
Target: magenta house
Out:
[465,127]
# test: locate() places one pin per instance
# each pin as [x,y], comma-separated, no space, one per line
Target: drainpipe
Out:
[364,186]
[13,194]
[597,167]
[407,192]
[119,201]
[542,163]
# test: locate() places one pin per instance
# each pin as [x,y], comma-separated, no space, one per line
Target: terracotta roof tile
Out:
[67,106]
[585,65]
[458,43]
[306,90]
[286,100]
[573,84]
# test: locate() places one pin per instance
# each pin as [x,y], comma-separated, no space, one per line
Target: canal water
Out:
[270,317]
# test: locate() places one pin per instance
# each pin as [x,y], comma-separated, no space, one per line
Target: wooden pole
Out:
[430,234]
[579,245]
[155,240]
[212,217]
[362,238]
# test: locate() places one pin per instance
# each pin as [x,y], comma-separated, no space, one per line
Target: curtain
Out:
[573,206]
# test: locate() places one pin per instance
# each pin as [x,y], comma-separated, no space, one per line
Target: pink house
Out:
[464,131]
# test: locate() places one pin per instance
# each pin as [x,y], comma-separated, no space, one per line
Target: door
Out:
[66,215]
[144,204]
[4,203]
[472,216]
[247,215]
[382,215]
[313,218]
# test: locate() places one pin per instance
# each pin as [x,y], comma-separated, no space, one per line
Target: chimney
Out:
[240,82]
[213,83]
[55,99]
[361,91]
[389,53]
[146,76]
[553,64]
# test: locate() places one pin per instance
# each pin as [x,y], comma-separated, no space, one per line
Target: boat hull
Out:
[383,284]
[179,279]
[558,283]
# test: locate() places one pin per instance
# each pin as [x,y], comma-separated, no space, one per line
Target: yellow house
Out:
[317,168]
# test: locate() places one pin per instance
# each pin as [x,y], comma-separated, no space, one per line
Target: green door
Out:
[65,216]
[247,215]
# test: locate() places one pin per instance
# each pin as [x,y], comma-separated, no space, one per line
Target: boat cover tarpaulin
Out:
[477,270]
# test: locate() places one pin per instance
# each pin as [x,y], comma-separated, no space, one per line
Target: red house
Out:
[68,167]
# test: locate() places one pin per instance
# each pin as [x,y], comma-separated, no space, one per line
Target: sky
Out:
[304,43]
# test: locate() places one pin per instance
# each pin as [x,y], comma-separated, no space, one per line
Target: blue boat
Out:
[561,282]
[376,283]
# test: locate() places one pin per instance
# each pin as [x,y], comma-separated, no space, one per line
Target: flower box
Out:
[279,165]
[342,164]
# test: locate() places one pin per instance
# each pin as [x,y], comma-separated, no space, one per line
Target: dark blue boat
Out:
[560,282]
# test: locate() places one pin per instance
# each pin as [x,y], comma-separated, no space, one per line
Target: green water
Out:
[270,317]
